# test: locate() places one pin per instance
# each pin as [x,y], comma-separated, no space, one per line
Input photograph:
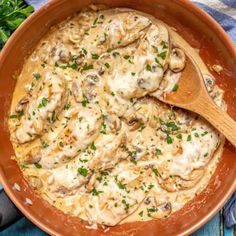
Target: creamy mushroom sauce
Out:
[89,130]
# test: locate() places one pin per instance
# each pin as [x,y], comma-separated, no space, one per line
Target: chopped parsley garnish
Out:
[87,67]
[84,102]
[94,56]
[67,106]
[23,165]
[29,134]
[20,113]
[37,76]
[175,88]
[120,186]
[150,186]
[126,57]
[150,210]
[158,151]
[95,21]
[43,103]
[204,133]
[133,74]
[43,143]
[126,205]
[189,138]
[196,135]
[162,55]
[164,44]
[133,155]
[179,136]
[148,67]
[141,128]
[112,94]
[53,118]
[206,154]
[141,213]
[158,62]
[95,192]
[83,171]
[103,128]
[93,146]
[172,125]
[169,140]
[155,171]
[61,144]
[155,49]
[83,51]
[13,116]
[107,65]
[37,165]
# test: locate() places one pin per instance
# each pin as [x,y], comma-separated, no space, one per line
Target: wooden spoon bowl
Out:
[192,95]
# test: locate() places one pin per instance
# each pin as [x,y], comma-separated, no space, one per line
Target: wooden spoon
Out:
[192,95]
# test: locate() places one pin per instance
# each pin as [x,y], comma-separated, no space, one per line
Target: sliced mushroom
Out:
[77,92]
[33,156]
[63,191]
[177,60]
[64,56]
[162,211]
[175,183]
[132,121]
[35,182]
[114,123]
[91,182]
[22,104]
[158,209]
[90,85]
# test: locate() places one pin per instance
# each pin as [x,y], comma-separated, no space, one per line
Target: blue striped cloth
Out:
[224,12]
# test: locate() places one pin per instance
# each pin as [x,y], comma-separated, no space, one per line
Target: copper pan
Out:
[202,32]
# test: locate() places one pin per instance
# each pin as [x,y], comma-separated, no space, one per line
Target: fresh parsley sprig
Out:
[12,14]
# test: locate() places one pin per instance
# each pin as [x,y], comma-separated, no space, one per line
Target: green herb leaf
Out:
[13,116]
[12,14]
[169,140]
[37,165]
[126,57]
[189,138]
[141,213]
[93,146]
[120,186]
[83,51]
[107,65]
[83,171]
[94,56]
[162,55]
[95,192]
[87,67]
[43,103]
[175,88]
[164,44]
[179,136]
[148,68]
[37,76]
[155,171]
[158,151]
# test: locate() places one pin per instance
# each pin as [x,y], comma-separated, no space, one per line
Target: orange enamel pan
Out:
[215,47]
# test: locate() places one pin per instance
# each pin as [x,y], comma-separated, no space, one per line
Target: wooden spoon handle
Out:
[218,118]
